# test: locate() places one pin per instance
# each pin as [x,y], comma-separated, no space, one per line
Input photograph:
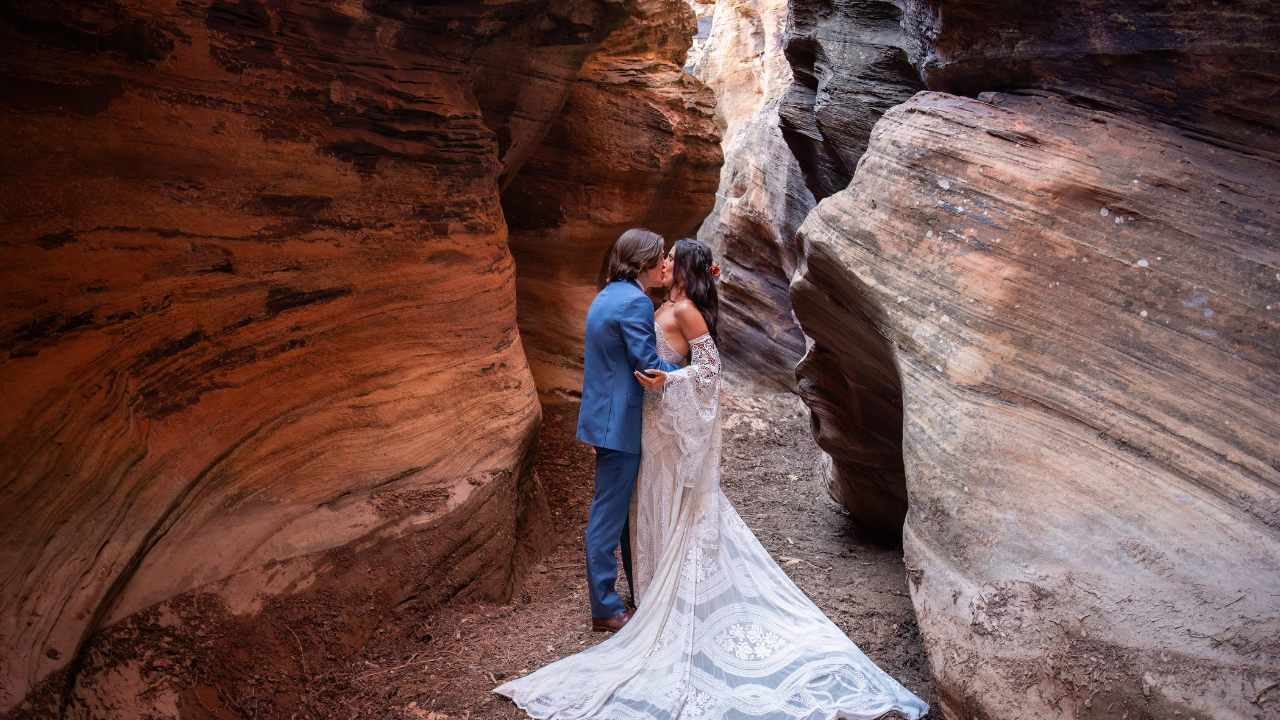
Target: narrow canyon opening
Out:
[850,384]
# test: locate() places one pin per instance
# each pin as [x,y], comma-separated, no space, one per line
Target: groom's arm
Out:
[638,336]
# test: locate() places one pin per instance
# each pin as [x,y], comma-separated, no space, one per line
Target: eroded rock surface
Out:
[259,319]
[762,197]
[1204,67]
[1208,70]
[634,146]
[851,63]
[1080,304]
[1195,65]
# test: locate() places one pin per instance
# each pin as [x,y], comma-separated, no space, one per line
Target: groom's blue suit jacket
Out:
[620,339]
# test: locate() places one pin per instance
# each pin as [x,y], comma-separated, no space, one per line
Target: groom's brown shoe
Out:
[611,624]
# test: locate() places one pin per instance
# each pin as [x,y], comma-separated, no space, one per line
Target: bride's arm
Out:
[691,325]
[691,401]
[703,358]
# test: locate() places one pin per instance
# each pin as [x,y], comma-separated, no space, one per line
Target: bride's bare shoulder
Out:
[689,319]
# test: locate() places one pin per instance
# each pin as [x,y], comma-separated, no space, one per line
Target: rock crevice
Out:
[1063,295]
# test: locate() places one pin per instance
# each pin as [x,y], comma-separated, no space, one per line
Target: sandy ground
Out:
[440,663]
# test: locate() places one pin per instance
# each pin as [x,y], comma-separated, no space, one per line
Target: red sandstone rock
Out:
[1080,305]
[259,314]
[634,146]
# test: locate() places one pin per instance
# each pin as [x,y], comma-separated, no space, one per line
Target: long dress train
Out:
[720,631]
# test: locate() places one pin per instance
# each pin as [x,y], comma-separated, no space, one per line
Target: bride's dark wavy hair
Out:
[693,274]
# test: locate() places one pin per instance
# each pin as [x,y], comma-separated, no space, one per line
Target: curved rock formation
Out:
[1081,306]
[1192,65]
[260,316]
[634,146]
[762,197]
[851,63]
[1205,68]
[1072,290]
[1209,71]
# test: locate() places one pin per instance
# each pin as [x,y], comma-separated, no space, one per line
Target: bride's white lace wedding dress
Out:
[720,630]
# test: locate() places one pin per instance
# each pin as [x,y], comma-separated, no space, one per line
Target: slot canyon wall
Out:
[1049,289]
[634,146]
[262,377]
[762,197]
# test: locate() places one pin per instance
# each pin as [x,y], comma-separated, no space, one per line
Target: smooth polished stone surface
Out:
[1079,306]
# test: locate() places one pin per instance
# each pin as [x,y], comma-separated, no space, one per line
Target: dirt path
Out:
[440,664]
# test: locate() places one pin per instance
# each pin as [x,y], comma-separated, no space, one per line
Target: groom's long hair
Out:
[635,251]
[693,274]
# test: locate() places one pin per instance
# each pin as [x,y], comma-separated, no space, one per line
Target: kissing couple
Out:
[720,631]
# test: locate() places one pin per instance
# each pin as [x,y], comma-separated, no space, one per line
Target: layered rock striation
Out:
[1079,304]
[851,61]
[854,60]
[1208,69]
[1055,307]
[851,64]
[1192,65]
[259,321]
[762,198]
[634,146]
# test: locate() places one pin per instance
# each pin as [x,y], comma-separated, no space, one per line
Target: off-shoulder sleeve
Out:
[691,407]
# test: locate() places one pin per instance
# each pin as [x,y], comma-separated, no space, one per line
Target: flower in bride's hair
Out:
[715,270]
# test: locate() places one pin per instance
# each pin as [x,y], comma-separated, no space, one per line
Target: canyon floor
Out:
[440,663]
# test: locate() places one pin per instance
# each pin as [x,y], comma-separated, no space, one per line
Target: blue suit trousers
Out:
[608,524]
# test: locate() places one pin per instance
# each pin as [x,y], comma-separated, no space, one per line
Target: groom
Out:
[620,340]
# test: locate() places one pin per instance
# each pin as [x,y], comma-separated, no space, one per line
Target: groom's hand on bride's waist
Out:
[651,379]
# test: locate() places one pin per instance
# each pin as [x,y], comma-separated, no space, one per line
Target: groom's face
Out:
[668,265]
[652,276]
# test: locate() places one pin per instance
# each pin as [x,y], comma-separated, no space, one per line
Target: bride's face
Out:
[669,268]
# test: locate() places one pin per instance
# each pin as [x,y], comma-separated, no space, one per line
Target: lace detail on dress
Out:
[721,632]
[691,404]
[665,350]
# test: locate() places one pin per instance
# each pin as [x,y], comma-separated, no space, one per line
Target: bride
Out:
[720,630]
